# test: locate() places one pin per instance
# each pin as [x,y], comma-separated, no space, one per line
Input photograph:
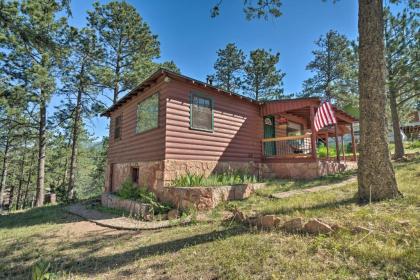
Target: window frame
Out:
[115,127]
[204,96]
[158,114]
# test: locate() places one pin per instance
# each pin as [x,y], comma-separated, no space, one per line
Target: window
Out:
[135,175]
[148,113]
[117,128]
[201,113]
[294,129]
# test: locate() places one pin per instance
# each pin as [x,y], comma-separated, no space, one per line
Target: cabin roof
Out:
[267,107]
[164,72]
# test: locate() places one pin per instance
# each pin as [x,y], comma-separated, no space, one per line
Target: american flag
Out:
[324,116]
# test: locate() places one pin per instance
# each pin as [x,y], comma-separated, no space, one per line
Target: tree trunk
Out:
[73,157]
[399,147]
[21,173]
[4,170]
[28,182]
[376,178]
[39,201]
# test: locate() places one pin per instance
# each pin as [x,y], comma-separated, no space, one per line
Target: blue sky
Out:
[191,38]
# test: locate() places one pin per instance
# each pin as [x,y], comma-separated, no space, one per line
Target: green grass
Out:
[222,179]
[409,147]
[224,250]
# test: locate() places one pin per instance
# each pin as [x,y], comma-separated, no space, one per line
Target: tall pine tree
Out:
[333,65]
[228,66]
[263,80]
[129,45]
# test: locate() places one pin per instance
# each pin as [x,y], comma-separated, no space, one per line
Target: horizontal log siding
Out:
[237,127]
[145,146]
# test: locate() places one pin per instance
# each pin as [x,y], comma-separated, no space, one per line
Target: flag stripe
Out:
[324,116]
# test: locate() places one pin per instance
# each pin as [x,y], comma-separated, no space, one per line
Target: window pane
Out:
[148,113]
[117,128]
[201,113]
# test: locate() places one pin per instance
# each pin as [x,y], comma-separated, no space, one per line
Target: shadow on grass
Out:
[52,214]
[102,263]
[90,263]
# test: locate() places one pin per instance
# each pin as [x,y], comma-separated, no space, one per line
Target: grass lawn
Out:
[77,249]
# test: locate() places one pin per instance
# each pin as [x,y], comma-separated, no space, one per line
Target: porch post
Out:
[342,147]
[313,135]
[337,147]
[326,144]
[353,143]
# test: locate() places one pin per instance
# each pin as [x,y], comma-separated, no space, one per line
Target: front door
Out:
[269,132]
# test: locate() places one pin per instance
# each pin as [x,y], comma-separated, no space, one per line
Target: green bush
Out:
[129,190]
[322,151]
[221,179]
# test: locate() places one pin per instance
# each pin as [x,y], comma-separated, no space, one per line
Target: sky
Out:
[190,37]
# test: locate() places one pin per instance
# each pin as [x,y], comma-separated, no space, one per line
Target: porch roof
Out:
[300,108]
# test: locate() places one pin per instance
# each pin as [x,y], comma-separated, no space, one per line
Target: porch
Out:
[290,139]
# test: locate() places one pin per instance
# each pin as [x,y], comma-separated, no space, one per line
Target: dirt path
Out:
[281,195]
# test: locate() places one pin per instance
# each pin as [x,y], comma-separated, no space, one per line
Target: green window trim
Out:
[193,95]
[156,124]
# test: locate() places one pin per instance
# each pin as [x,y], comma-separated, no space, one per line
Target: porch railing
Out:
[288,146]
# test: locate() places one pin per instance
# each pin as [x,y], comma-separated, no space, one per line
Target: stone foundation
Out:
[203,198]
[158,175]
[150,174]
[306,170]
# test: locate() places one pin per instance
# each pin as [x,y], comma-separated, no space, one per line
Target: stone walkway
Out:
[120,223]
[281,195]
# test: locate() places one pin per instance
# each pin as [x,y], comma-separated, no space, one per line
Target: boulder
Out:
[294,225]
[315,226]
[269,221]
[173,214]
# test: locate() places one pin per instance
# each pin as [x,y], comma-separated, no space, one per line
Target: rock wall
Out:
[137,209]
[203,198]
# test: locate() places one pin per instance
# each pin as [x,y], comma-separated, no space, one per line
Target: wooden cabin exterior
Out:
[171,125]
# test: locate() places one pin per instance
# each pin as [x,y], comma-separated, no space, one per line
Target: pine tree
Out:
[33,56]
[402,39]
[80,85]
[263,81]
[376,175]
[228,66]
[334,67]
[128,42]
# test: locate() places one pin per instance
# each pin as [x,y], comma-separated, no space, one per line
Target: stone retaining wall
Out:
[204,198]
[137,209]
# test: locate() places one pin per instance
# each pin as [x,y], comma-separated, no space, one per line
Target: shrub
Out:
[322,151]
[221,179]
[129,190]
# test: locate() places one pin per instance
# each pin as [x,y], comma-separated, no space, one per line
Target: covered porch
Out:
[290,136]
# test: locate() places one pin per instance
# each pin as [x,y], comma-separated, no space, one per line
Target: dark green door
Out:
[269,132]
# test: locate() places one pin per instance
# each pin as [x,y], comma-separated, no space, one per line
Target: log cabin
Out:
[171,125]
